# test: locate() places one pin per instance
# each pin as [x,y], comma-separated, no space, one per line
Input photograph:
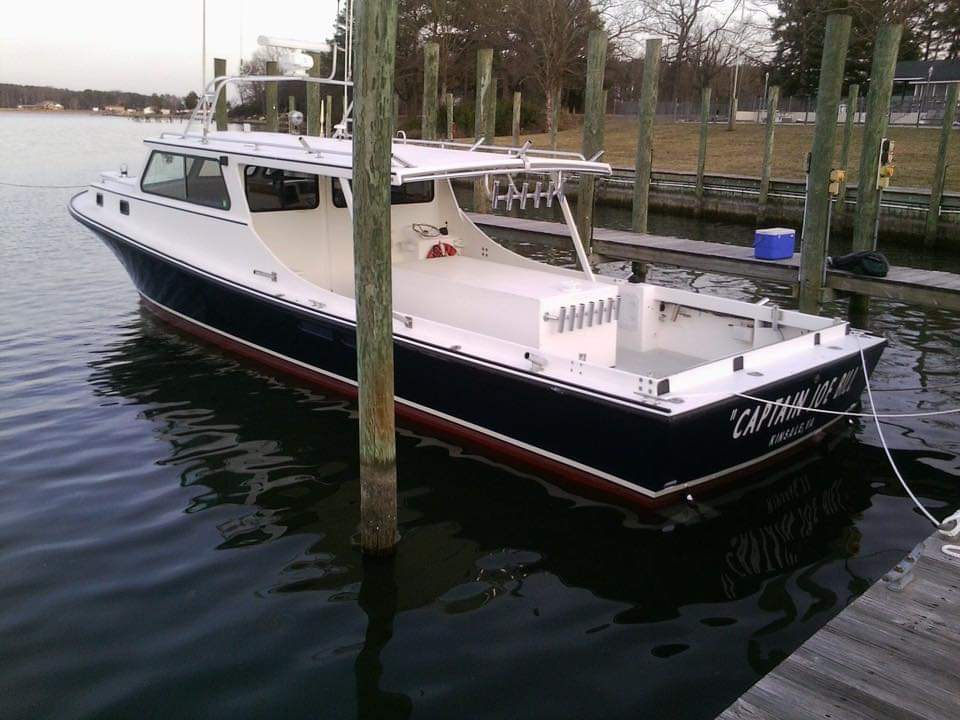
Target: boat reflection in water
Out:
[751,573]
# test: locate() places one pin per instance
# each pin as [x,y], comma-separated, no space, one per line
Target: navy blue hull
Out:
[627,449]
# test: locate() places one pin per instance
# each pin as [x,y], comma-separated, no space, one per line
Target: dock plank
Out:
[932,288]
[888,655]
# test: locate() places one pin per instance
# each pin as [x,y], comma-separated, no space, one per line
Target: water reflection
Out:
[378,598]
[760,562]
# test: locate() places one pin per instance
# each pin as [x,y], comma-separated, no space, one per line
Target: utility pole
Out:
[270,92]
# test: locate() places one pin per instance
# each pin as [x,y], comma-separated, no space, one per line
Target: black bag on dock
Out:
[870,263]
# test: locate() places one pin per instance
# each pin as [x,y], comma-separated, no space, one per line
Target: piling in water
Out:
[375,48]
[648,109]
[481,202]
[874,128]
[270,98]
[313,99]
[220,112]
[592,130]
[431,73]
[853,100]
[702,148]
[940,173]
[449,100]
[515,124]
[816,216]
[773,99]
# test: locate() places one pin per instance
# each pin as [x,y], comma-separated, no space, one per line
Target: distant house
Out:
[164,111]
[45,105]
[925,78]
[149,110]
[113,110]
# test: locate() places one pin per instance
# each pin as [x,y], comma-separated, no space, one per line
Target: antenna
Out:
[203,45]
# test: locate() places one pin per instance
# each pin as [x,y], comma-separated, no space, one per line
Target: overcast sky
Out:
[143,46]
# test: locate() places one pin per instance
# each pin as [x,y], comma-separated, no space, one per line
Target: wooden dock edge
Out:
[889,654]
[930,288]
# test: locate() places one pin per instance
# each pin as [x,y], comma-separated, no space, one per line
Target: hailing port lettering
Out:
[761,416]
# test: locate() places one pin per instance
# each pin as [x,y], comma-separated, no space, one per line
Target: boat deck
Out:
[888,655]
[923,287]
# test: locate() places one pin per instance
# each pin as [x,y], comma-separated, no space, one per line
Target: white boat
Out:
[245,239]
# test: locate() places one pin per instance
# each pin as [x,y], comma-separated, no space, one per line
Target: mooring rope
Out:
[883,440]
[43,187]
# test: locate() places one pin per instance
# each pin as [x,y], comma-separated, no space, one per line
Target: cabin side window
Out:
[197,180]
[272,189]
[406,194]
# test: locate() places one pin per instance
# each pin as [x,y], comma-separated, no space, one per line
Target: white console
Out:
[557,314]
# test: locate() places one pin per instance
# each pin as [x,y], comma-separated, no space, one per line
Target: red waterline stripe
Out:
[564,474]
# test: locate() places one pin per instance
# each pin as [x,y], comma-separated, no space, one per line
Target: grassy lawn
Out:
[740,152]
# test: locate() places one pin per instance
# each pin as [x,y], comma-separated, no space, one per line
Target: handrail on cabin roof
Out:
[513,153]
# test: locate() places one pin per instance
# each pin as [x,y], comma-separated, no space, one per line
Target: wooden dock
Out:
[931,288]
[888,655]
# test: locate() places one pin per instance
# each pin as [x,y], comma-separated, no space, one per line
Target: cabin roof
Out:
[922,71]
[412,159]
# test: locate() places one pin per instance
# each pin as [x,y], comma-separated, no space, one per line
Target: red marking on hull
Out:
[558,472]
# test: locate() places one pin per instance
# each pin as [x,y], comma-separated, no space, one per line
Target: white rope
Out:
[883,440]
[43,187]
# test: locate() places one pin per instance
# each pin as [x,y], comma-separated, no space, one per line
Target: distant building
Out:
[45,105]
[113,110]
[925,78]
[164,111]
[149,110]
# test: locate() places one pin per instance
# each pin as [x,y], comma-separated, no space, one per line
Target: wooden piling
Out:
[648,110]
[853,98]
[732,114]
[702,149]
[481,202]
[773,98]
[593,110]
[328,116]
[431,75]
[555,119]
[375,48]
[874,129]
[940,174]
[817,208]
[515,125]
[220,112]
[270,97]
[449,116]
[313,98]
[867,211]
[491,113]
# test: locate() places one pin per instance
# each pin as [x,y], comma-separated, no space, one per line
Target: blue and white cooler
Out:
[773,243]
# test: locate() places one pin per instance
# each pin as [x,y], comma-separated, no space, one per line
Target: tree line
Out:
[13,95]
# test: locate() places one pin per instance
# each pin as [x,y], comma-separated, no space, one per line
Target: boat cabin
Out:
[290,198]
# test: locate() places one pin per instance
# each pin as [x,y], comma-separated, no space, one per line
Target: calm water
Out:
[177,526]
